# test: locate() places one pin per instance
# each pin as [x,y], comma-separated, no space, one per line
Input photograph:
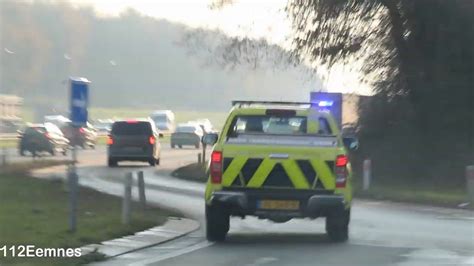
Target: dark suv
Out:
[42,138]
[133,140]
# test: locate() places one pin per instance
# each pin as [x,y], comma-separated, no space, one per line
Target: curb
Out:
[174,228]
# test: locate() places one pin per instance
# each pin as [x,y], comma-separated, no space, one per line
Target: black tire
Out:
[158,161]
[172,146]
[22,152]
[112,162]
[180,146]
[337,225]
[152,162]
[217,223]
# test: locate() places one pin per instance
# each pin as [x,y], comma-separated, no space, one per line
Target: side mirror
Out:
[210,139]
[161,135]
[351,143]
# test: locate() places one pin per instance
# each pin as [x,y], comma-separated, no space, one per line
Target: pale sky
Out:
[253,18]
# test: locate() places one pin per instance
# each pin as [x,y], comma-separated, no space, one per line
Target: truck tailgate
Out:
[298,162]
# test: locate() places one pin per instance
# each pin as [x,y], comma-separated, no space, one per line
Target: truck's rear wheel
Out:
[152,162]
[217,223]
[337,225]
[112,162]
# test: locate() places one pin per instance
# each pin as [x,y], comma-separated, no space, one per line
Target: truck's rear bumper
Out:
[311,203]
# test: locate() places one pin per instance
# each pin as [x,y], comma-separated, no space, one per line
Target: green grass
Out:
[8,143]
[412,192]
[35,212]
[23,168]
[216,118]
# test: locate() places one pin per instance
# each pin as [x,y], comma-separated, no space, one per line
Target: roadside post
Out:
[127,198]
[204,146]
[367,174]
[73,184]
[79,101]
[141,189]
[199,158]
[470,183]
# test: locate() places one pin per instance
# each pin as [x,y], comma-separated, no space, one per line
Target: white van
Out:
[164,120]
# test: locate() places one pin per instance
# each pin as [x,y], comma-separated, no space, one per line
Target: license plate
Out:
[279,204]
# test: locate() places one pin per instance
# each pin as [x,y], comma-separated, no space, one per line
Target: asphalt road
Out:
[381,233]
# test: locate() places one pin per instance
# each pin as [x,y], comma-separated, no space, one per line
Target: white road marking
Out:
[170,255]
[455,217]
[261,261]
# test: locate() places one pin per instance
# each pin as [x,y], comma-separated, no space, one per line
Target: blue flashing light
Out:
[325,103]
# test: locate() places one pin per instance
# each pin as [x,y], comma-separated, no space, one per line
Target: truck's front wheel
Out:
[217,223]
[337,225]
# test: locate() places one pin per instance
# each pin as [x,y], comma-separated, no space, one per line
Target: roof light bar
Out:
[325,103]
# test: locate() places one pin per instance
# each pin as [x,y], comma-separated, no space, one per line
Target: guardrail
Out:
[8,136]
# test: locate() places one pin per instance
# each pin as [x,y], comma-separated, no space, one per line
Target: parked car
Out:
[104,126]
[37,138]
[134,140]
[81,136]
[187,134]
[59,120]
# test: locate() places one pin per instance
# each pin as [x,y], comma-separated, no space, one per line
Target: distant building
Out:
[10,108]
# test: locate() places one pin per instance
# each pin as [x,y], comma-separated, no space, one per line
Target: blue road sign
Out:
[79,101]
[329,102]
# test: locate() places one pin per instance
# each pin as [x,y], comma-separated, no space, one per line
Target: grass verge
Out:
[10,143]
[35,212]
[401,192]
[413,193]
[192,172]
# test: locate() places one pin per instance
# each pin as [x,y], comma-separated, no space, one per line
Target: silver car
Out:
[187,134]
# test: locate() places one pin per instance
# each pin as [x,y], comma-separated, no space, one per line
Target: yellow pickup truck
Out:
[278,161]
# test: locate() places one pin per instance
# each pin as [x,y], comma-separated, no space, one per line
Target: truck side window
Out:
[324,127]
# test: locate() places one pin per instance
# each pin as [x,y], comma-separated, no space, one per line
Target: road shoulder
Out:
[174,228]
